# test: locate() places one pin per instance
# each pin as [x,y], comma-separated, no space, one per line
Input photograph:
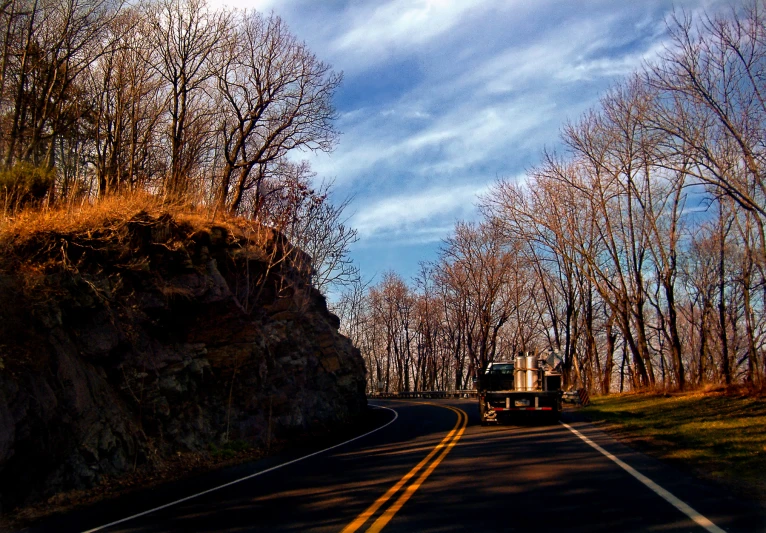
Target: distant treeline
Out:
[169,97]
[638,252]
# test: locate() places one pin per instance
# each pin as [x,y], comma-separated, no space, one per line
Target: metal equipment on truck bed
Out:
[529,384]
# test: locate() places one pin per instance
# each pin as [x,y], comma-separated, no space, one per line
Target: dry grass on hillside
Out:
[111,213]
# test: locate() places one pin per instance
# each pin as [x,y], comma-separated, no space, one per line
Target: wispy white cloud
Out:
[582,51]
[405,214]
[264,6]
[503,102]
[454,141]
[377,29]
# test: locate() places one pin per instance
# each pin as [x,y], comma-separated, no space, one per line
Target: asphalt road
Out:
[434,468]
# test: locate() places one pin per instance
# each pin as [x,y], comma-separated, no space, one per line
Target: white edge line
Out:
[230,483]
[657,489]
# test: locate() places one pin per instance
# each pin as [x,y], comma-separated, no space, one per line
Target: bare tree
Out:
[129,101]
[185,37]
[481,268]
[537,215]
[711,84]
[277,97]
[53,45]
[311,221]
[392,304]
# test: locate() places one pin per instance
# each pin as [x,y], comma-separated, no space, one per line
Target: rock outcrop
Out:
[122,346]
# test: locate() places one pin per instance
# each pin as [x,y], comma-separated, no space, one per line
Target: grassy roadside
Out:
[718,435]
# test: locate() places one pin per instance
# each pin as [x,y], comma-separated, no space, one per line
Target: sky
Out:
[441,98]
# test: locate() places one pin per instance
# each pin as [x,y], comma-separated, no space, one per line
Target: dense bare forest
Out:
[173,99]
[637,250]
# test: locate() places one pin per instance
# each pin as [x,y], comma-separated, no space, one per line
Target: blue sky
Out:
[441,98]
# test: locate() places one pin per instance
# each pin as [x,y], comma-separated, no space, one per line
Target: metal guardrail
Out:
[425,394]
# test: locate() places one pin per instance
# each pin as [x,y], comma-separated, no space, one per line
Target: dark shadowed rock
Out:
[119,349]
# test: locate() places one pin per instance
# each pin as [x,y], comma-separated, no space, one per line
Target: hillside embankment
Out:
[125,345]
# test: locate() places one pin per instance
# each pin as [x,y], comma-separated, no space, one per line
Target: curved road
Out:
[434,468]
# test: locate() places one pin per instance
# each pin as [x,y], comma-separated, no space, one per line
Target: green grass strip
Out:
[719,436]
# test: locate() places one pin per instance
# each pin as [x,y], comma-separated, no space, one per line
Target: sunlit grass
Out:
[720,435]
[82,216]
[111,214]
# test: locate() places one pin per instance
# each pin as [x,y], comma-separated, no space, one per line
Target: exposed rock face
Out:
[121,347]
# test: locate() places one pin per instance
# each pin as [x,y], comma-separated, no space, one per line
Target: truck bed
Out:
[503,405]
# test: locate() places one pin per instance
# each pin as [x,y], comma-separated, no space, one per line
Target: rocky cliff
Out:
[122,346]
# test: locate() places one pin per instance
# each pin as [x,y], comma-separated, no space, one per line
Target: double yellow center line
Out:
[427,465]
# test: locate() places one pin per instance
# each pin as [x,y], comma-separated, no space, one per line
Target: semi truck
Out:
[529,384]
